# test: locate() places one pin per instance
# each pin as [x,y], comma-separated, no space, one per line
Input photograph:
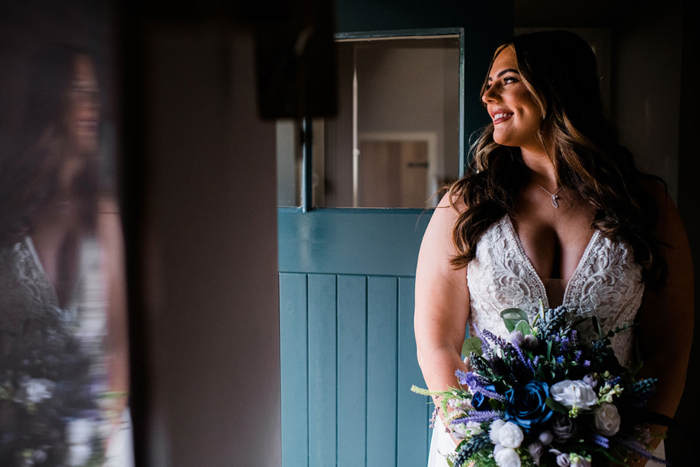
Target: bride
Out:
[552,208]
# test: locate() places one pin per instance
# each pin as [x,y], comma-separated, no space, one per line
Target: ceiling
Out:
[574,13]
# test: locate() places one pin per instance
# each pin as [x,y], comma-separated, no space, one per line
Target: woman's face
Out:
[515,115]
[83,105]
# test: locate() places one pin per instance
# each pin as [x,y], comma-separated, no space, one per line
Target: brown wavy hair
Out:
[30,164]
[559,69]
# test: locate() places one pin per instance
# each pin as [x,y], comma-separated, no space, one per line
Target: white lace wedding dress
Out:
[27,295]
[607,281]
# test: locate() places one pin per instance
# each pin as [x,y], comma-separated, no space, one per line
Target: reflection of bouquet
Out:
[48,408]
[543,397]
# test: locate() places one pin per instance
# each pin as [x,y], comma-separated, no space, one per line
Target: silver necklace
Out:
[555,196]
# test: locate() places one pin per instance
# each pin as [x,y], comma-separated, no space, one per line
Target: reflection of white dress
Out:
[606,281]
[27,294]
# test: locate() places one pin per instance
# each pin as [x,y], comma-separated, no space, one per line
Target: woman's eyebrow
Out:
[503,72]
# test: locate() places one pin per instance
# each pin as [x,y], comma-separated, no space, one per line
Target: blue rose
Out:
[481,402]
[525,405]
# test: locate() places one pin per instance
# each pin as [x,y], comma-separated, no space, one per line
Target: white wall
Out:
[407,90]
[213,324]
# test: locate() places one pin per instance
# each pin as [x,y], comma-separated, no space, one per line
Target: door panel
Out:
[381,242]
[294,370]
[356,332]
[382,369]
[322,369]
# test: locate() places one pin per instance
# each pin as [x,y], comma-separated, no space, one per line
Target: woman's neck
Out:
[68,172]
[541,167]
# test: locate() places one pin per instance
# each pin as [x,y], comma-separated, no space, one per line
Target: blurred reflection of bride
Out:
[63,353]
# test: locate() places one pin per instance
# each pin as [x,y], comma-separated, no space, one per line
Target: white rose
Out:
[79,454]
[607,419]
[574,394]
[507,457]
[79,431]
[34,390]
[495,428]
[459,431]
[510,435]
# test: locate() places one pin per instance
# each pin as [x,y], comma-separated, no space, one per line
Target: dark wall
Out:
[681,451]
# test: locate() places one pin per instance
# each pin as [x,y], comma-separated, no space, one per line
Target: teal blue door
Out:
[348,353]
[347,276]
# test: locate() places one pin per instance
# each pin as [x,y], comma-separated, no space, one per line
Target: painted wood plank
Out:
[412,413]
[382,369]
[352,362]
[351,241]
[293,362]
[322,370]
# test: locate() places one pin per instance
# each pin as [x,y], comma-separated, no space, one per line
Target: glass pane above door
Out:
[395,140]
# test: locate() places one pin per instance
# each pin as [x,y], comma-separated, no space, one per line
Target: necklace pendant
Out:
[555,203]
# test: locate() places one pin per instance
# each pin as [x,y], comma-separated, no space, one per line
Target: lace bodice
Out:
[26,293]
[607,282]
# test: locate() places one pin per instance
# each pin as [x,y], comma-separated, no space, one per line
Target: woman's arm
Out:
[442,302]
[112,261]
[665,333]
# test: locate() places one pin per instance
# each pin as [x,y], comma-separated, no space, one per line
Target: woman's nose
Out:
[489,95]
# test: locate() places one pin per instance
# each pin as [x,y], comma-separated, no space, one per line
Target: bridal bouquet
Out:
[49,413]
[543,397]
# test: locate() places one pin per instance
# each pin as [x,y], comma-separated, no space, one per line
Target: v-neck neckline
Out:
[533,271]
[50,286]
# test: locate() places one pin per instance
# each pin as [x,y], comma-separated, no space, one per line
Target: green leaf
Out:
[549,350]
[473,344]
[495,405]
[556,406]
[596,327]
[450,463]
[524,327]
[511,317]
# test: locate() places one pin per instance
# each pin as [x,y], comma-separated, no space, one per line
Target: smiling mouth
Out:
[501,117]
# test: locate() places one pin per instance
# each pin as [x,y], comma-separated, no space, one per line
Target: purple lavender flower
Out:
[565,343]
[485,346]
[523,360]
[560,360]
[586,363]
[433,417]
[479,416]
[477,384]
[634,445]
[601,441]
